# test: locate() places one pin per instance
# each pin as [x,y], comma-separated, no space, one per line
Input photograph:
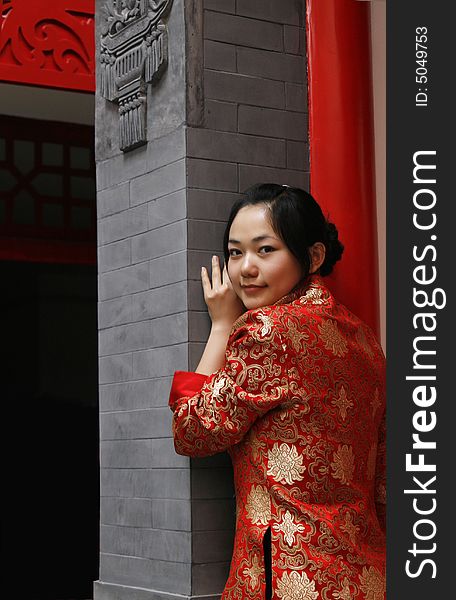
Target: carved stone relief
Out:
[134,52]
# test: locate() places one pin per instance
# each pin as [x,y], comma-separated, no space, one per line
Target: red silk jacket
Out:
[300,407]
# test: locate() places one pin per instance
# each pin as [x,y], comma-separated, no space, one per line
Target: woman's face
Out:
[261,267]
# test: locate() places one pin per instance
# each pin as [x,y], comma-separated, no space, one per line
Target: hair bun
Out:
[334,248]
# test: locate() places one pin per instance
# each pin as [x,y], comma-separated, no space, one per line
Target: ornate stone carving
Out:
[134,52]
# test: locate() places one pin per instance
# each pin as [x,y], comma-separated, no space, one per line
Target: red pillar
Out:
[342,176]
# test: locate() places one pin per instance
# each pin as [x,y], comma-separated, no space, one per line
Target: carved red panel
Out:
[51,44]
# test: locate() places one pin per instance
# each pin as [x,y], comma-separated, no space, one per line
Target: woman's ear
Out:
[317,254]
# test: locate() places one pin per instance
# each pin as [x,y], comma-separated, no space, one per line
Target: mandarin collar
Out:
[312,286]
[301,288]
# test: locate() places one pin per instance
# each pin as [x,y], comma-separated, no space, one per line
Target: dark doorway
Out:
[50,421]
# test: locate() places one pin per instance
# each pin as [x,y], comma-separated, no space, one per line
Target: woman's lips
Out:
[252,289]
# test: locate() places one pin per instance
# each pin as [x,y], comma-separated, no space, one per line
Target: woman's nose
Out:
[248,266]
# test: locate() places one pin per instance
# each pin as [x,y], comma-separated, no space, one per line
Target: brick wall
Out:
[229,111]
[146,518]
[251,127]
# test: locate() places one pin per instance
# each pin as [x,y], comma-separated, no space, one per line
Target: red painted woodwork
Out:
[342,144]
[50,44]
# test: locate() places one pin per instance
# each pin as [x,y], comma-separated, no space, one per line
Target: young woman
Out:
[291,383]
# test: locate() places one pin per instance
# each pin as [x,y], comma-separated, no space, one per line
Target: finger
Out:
[205,281]
[226,277]
[216,276]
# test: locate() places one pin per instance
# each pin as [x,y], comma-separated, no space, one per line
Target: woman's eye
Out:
[265,249]
[233,252]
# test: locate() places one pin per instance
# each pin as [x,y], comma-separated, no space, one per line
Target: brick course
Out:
[237,30]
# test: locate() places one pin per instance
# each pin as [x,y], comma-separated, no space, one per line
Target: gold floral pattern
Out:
[257,446]
[267,325]
[343,464]
[349,527]
[342,402]
[289,528]
[218,386]
[314,295]
[344,593]
[285,464]
[332,338]
[372,584]
[296,586]
[253,573]
[297,336]
[258,505]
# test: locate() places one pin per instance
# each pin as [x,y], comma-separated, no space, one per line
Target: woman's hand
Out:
[223,304]
[224,308]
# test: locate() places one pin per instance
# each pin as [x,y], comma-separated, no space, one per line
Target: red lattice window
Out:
[47,191]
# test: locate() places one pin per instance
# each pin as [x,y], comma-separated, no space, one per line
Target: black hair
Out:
[297,218]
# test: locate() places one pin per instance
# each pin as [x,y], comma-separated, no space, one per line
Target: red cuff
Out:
[185,383]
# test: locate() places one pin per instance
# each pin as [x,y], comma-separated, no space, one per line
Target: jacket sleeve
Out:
[380,475]
[214,412]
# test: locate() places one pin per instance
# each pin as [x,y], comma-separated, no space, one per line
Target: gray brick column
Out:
[230,110]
